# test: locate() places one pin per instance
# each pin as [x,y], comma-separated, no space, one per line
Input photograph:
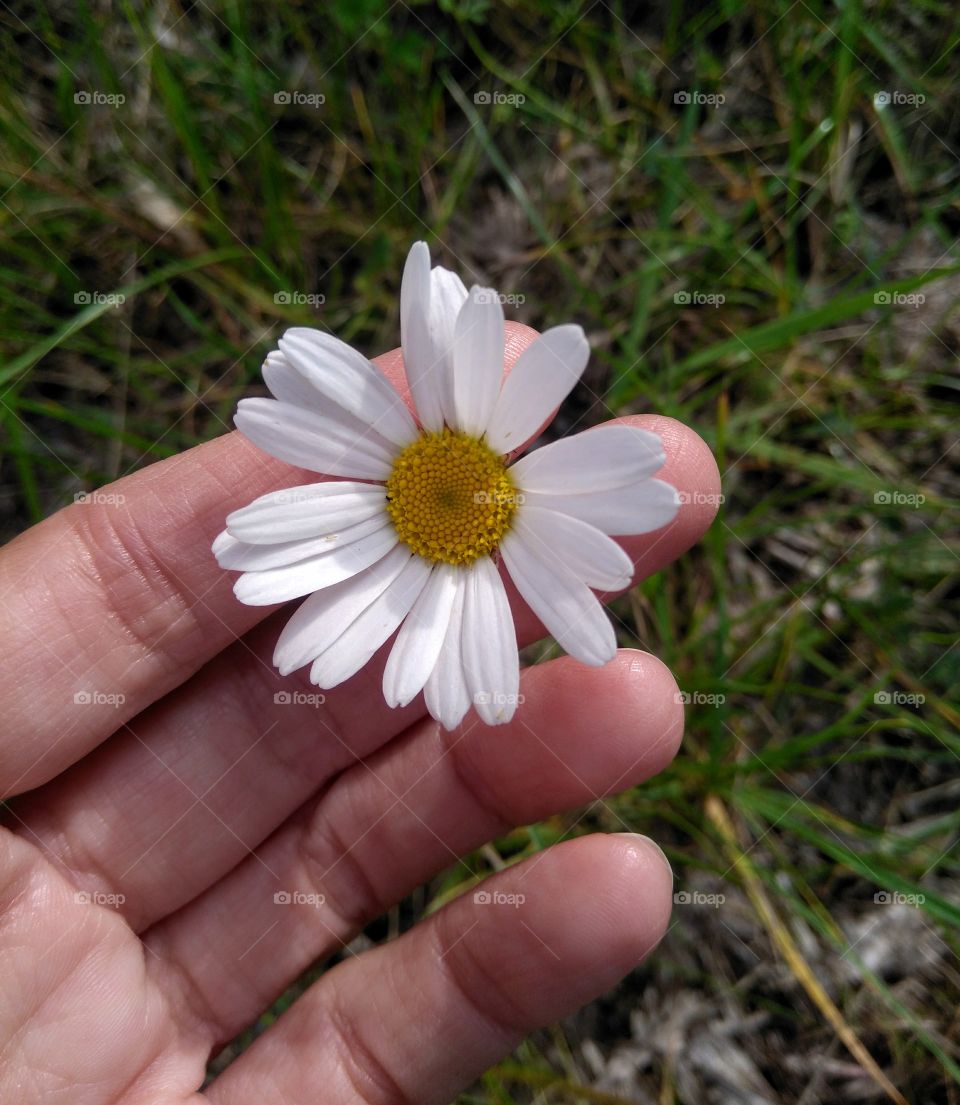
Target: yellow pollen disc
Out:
[450,497]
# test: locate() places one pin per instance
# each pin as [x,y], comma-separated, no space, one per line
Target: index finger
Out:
[109,604]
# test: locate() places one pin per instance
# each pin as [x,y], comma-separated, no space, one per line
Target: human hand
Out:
[183,846]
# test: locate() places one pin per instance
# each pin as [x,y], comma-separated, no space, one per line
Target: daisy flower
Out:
[419,512]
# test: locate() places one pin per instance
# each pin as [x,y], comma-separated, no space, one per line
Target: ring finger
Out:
[392,822]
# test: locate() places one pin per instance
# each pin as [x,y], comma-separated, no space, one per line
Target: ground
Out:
[752,209]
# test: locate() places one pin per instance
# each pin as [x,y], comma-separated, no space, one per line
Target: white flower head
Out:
[421,512]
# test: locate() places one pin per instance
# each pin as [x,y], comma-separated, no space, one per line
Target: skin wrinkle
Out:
[213,508]
[509,1019]
[622,876]
[85,532]
[574,953]
[322,849]
[392,766]
[236,663]
[160,1054]
[223,475]
[233,724]
[179,979]
[35,873]
[360,1063]
[375,899]
[479,794]
[326,820]
[76,864]
[176,981]
[118,559]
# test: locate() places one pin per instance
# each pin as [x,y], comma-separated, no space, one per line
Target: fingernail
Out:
[652,843]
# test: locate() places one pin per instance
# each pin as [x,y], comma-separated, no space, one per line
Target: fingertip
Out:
[644,855]
[652,688]
[649,875]
[517,336]
[690,466]
[626,897]
[632,703]
[592,908]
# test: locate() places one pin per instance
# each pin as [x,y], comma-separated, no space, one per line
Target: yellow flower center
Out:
[450,497]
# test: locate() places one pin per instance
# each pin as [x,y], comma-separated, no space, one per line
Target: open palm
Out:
[190,831]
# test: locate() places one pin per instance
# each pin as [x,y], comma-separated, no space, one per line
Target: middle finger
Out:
[194,784]
[387,825]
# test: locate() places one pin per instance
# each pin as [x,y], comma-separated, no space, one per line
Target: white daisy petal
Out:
[294,580]
[642,508]
[491,663]
[538,383]
[478,341]
[445,693]
[569,610]
[327,443]
[415,338]
[345,377]
[321,618]
[593,557]
[417,647]
[336,542]
[357,644]
[595,460]
[246,557]
[306,511]
[447,297]
[287,385]
[290,386]
[223,543]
